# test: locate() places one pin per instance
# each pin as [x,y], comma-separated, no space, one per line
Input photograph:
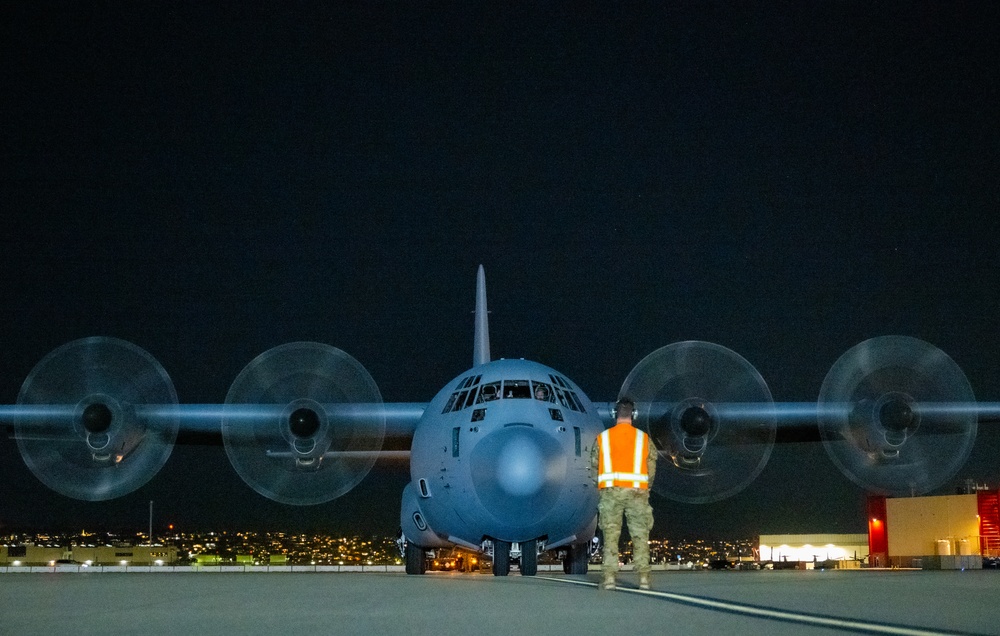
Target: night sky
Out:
[210,180]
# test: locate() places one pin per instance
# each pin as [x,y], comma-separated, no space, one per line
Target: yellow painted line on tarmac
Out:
[771,613]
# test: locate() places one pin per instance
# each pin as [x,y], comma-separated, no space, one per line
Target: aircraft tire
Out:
[576,561]
[529,558]
[501,558]
[416,559]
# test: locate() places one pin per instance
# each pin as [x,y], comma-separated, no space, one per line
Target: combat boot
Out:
[609,581]
[643,580]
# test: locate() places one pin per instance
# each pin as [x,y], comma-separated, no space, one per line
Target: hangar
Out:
[945,532]
[36,555]
[808,551]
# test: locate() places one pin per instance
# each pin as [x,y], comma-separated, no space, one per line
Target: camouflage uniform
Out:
[634,503]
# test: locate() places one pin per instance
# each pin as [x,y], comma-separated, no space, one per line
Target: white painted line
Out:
[774,614]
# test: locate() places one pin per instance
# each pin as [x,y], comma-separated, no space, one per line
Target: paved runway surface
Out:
[792,602]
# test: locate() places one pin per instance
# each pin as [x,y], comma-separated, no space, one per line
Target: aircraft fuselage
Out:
[502,452]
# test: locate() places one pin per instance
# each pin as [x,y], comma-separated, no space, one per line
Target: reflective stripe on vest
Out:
[623,451]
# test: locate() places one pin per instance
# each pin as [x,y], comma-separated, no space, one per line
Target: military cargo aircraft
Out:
[500,457]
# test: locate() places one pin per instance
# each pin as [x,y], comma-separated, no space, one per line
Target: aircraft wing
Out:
[297,453]
[303,423]
[894,413]
[399,419]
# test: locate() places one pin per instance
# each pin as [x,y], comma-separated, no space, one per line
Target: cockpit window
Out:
[489,392]
[542,391]
[462,397]
[450,404]
[566,399]
[471,399]
[468,393]
[561,396]
[517,389]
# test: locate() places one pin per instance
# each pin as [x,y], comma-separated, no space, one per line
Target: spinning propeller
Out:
[910,420]
[303,423]
[92,441]
[704,455]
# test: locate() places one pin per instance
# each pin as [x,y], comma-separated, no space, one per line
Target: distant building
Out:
[945,532]
[809,550]
[33,555]
[28,555]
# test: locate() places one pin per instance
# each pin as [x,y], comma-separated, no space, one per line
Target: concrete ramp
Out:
[807,602]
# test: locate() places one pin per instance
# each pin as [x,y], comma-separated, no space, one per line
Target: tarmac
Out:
[690,603]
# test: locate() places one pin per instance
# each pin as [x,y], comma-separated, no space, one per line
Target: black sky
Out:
[209,180]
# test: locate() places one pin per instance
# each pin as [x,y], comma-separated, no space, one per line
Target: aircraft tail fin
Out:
[481,346]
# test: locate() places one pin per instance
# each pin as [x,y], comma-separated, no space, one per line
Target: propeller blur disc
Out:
[100,448]
[303,423]
[885,441]
[704,456]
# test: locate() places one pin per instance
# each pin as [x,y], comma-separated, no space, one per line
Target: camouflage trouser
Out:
[639,514]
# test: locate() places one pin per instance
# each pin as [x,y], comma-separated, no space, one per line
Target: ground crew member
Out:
[624,462]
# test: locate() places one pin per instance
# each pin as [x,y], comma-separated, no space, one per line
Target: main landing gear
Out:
[416,559]
[529,557]
[577,558]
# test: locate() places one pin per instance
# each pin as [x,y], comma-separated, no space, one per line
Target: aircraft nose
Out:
[520,467]
[518,472]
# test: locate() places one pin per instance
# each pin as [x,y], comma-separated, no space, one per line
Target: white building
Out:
[847,550]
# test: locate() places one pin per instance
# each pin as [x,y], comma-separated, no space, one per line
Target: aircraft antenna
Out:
[481,346]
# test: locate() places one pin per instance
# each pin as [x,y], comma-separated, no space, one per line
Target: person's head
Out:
[624,410]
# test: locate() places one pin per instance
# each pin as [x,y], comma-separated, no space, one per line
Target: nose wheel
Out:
[529,558]
[501,558]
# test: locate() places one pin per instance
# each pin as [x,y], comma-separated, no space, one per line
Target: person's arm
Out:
[651,461]
[593,461]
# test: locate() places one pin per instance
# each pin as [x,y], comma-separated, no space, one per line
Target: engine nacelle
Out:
[897,415]
[303,423]
[83,430]
[704,455]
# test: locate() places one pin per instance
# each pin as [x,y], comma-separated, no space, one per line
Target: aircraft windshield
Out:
[469,392]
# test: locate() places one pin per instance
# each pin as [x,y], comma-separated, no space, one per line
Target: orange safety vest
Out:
[622,451]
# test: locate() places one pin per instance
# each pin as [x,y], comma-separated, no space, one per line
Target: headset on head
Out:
[614,411]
